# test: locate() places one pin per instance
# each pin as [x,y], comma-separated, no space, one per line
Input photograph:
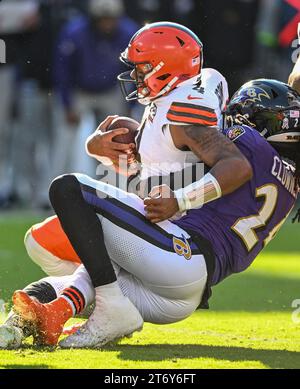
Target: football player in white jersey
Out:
[177,93]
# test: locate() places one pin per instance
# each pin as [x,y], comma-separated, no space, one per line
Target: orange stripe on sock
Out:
[72,298]
[71,290]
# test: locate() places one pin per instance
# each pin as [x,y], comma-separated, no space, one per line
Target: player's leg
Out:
[127,216]
[33,304]
[137,245]
[48,246]
[165,284]
[161,296]
[47,318]
[81,224]
[162,264]
[156,304]
[15,329]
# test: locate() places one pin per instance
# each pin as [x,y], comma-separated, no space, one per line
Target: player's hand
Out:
[161,204]
[101,143]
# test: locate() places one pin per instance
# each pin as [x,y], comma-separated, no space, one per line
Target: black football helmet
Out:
[272,108]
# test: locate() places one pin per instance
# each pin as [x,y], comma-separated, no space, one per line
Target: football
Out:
[125,122]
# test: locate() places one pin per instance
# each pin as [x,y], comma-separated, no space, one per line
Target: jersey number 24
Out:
[246,227]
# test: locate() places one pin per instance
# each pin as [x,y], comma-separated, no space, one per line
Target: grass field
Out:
[249,324]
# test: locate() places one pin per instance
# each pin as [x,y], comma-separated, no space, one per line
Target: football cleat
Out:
[11,337]
[112,319]
[47,320]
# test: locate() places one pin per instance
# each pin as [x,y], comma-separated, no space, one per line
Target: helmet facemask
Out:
[273,124]
[137,75]
[142,74]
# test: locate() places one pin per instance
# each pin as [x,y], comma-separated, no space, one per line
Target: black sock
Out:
[83,228]
[42,291]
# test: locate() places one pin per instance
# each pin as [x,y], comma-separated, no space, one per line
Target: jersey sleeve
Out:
[182,113]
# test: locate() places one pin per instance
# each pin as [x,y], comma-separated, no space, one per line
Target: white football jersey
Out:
[199,100]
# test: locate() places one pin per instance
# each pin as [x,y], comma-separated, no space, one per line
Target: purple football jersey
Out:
[241,224]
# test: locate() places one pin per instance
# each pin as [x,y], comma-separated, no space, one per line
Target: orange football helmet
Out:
[161,56]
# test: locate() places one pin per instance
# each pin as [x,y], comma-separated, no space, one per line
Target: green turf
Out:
[249,324]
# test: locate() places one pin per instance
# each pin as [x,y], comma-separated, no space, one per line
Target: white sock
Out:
[109,290]
[81,282]
[58,283]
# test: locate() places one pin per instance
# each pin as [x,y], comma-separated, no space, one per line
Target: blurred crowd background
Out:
[59,79]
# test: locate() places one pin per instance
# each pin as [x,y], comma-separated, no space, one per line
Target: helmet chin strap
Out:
[147,100]
[144,99]
[155,70]
[168,87]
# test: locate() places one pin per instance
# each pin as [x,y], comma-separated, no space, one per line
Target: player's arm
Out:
[229,171]
[217,152]
[294,78]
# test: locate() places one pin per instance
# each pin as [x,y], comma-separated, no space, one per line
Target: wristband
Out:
[198,193]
